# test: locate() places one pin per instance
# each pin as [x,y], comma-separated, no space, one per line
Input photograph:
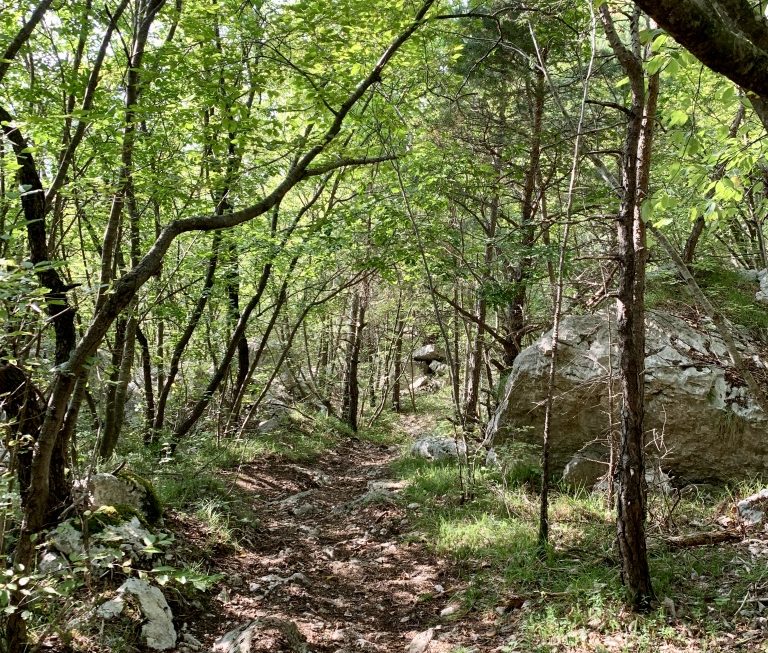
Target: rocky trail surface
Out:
[335,565]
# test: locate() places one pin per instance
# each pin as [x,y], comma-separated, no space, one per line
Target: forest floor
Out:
[331,555]
[356,546]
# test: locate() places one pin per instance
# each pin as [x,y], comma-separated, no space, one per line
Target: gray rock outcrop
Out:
[428,354]
[436,448]
[700,421]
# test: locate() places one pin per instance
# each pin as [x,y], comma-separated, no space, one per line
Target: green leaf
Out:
[677,118]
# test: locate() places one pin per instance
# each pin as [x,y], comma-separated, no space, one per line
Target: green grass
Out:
[723,286]
[573,593]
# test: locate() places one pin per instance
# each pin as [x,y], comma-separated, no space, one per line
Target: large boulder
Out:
[428,354]
[700,420]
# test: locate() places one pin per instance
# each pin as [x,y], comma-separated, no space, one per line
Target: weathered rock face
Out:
[437,449]
[699,419]
[124,490]
[157,631]
[428,354]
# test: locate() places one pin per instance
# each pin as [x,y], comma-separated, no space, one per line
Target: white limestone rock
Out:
[439,369]
[427,354]
[158,631]
[437,449]
[752,509]
[700,420]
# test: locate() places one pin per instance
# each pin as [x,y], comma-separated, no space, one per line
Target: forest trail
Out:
[334,557]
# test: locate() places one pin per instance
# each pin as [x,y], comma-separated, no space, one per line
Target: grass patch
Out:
[191,481]
[724,287]
[572,596]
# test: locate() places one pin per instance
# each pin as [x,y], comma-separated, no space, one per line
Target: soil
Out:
[356,580]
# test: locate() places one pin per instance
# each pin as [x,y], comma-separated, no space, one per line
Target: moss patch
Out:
[150,503]
[106,516]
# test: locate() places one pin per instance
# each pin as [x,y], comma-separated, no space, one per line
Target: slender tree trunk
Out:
[186,336]
[120,378]
[351,384]
[149,387]
[455,360]
[397,372]
[543,536]
[475,360]
[631,504]
[232,283]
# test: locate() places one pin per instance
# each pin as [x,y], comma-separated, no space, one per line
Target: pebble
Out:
[450,609]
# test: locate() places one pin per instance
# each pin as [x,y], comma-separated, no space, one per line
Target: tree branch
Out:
[317,170]
[736,55]
[21,38]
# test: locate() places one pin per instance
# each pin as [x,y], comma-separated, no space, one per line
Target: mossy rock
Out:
[150,503]
[106,516]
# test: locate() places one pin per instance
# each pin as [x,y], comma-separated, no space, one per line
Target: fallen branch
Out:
[702,539]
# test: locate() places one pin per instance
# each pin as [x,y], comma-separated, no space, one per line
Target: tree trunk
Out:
[631,504]
[149,388]
[115,416]
[231,280]
[57,305]
[351,383]
[397,372]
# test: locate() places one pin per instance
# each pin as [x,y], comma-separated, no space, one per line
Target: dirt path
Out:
[331,558]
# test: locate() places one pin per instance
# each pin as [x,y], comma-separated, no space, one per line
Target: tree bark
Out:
[732,43]
[631,504]
[232,284]
[149,388]
[351,384]
[397,371]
